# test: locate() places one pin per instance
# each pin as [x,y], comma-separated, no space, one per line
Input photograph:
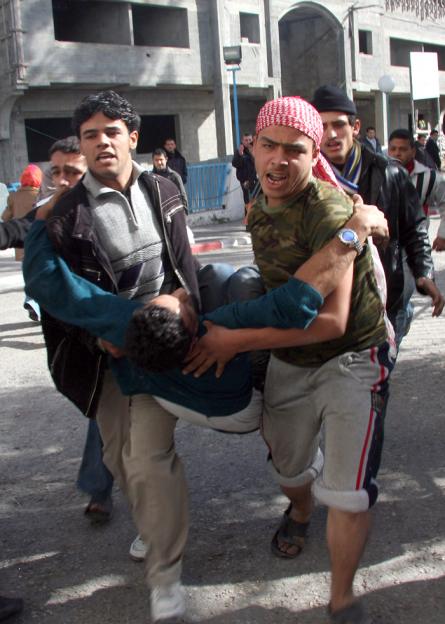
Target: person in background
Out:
[245,168]
[422,155]
[432,148]
[67,166]
[21,201]
[371,140]
[384,183]
[18,205]
[161,167]
[430,185]
[175,159]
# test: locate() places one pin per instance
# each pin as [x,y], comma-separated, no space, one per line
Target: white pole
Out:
[385,118]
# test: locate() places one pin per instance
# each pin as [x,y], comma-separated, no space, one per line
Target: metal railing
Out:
[207,186]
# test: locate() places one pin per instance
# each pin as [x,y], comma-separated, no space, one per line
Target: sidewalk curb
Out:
[203,247]
[215,245]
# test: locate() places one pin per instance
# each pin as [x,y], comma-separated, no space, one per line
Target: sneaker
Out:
[167,603]
[138,549]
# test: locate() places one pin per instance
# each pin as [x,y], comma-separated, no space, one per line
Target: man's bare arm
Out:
[219,345]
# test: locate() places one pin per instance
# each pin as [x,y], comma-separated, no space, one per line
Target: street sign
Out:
[424,75]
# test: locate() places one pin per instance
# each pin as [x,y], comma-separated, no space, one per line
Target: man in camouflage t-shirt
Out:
[340,384]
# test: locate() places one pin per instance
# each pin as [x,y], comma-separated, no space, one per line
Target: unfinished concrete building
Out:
[167,58]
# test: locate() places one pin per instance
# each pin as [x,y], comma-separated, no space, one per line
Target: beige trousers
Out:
[139,451]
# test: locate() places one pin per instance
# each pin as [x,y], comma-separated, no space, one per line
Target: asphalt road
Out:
[70,573]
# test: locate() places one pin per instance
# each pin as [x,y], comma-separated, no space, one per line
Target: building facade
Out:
[167,58]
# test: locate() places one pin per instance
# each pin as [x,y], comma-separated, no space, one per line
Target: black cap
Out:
[330,98]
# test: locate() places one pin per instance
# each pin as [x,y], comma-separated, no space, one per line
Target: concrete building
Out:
[167,58]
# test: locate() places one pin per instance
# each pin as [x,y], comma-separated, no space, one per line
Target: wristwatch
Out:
[350,239]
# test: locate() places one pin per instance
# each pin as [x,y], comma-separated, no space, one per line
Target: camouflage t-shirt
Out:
[285,237]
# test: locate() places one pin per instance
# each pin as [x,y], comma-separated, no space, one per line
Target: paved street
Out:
[70,573]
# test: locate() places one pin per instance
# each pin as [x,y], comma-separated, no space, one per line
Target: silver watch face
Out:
[349,237]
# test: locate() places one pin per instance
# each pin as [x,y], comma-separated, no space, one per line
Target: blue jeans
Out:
[242,285]
[94,478]
[213,280]
[403,317]
[402,322]
[245,284]
[220,283]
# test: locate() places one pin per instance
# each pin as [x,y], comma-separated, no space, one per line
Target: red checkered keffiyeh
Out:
[295,112]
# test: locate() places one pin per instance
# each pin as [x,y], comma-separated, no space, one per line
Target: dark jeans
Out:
[402,318]
[94,478]
[213,280]
[402,322]
[220,284]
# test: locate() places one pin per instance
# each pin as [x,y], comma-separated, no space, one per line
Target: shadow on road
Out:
[73,574]
[18,326]
[19,339]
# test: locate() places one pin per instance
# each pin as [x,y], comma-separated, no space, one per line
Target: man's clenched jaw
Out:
[338,136]
[284,158]
[106,144]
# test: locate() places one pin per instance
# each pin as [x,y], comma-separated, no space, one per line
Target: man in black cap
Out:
[384,184]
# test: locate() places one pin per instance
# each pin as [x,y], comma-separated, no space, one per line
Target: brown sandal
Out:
[291,532]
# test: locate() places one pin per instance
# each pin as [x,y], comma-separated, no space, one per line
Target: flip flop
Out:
[99,511]
[291,532]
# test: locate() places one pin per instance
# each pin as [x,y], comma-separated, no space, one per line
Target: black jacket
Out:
[384,183]
[432,149]
[14,231]
[245,168]
[75,362]
[367,143]
[177,162]
[423,156]
[177,180]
